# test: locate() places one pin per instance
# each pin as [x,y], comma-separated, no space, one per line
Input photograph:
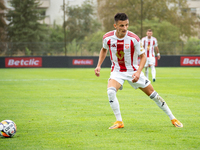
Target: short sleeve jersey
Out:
[149,45]
[123,51]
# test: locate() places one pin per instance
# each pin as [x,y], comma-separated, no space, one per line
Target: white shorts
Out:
[122,76]
[150,61]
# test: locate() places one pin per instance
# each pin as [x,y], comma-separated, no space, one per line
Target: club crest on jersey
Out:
[120,55]
[126,46]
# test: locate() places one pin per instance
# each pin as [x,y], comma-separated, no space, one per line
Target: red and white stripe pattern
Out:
[149,45]
[123,52]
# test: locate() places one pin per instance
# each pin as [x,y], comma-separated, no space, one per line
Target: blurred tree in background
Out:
[25,28]
[94,42]
[169,20]
[56,40]
[81,21]
[192,46]
[3,36]
[172,11]
[168,35]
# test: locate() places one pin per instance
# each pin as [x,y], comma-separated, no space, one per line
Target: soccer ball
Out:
[7,128]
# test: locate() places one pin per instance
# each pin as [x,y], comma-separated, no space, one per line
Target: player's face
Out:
[121,28]
[149,34]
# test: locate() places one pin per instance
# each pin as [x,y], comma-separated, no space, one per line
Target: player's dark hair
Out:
[120,16]
[149,30]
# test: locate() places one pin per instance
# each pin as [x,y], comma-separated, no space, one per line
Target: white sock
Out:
[161,104]
[147,72]
[153,72]
[114,102]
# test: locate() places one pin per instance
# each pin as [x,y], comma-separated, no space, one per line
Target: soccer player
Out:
[149,43]
[124,47]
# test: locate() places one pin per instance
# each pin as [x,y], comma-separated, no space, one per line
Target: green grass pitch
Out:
[59,109]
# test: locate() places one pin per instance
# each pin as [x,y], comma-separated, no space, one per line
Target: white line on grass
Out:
[34,79]
[183,77]
[4,80]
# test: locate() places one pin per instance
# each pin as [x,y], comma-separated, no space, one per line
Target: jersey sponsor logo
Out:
[82,61]
[23,62]
[190,61]
[148,47]
[120,42]
[120,55]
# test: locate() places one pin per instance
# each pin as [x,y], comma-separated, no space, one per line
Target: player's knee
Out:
[152,67]
[153,95]
[111,91]
[158,99]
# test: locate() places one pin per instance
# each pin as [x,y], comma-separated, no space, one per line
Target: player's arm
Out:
[141,52]
[143,59]
[143,42]
[136,75]
[102,56]
[157,52]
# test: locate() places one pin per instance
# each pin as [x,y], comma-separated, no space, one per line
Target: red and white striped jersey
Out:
[123,52]
[149,45]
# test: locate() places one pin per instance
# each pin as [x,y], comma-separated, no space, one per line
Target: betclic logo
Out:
[15,62]
[190,61]
[82,62]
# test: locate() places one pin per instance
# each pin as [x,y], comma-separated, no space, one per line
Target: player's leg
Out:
[146,66]
[153,73]
[153,69]
[112,89]
[147,72]
[149,90]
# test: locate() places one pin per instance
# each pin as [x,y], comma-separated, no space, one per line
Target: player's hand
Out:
[135,77]
[158,57]
[97,71]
